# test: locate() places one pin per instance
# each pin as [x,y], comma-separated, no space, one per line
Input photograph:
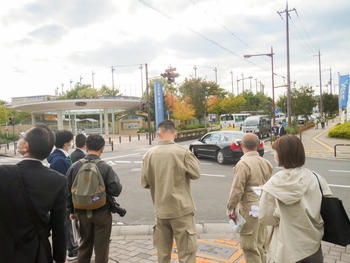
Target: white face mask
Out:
[275,157]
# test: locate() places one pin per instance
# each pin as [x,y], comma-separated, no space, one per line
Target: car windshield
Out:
[230,137]
[251,122]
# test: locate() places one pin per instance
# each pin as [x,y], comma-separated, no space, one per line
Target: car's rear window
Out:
[230,137]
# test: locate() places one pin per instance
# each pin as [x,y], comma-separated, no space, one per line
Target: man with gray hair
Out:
[251,171]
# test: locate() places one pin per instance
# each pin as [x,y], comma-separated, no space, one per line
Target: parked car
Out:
[301,119]
[224,146]
[259,124]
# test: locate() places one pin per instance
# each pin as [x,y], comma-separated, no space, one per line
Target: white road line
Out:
[339,171]
[215,175]
[339,185]
[122,161]
[207,163]
[136,170]
[121,156]
[137,161]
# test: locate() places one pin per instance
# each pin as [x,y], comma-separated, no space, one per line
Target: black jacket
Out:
[110,179]
[77,155]
[47,190]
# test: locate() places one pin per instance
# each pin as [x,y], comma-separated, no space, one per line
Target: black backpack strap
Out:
[318,182]
[39,226]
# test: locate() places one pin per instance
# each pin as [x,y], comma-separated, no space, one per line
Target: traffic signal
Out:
[12,121]
[143,106]
[171,77]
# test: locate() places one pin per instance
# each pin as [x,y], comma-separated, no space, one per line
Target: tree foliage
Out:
[198,90]
[183,110]
[106,91]
[232,104]
[330,103]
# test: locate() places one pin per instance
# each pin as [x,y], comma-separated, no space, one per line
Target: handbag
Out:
[336,221]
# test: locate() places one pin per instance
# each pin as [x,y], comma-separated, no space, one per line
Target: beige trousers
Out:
[183,229]
[252,239]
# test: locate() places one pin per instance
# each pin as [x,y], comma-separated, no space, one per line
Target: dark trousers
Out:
[95,233]
[72,244]
[315,258]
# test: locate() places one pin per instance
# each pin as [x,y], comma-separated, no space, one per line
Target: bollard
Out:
[8,146]
[120,139]
[129,138]
[112,146]
[109,140]
[300,136]
[146,136]
[138,136]
[152,136]
[14,147]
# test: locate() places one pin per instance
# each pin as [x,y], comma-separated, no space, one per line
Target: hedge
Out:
[340,131]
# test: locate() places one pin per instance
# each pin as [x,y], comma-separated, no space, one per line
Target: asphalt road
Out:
[211,191]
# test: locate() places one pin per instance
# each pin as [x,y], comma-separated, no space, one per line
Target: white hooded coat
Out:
[291,203]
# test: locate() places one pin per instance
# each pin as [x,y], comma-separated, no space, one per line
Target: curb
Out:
[147,230]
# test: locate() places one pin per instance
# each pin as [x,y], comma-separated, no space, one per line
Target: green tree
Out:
[3,114]
[257,102]
[198,90]
[232,104]
[80,91]
[106,91]
[330,103]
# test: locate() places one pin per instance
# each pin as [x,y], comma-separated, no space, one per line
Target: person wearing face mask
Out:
[33,204]
[290,203]
[60,161]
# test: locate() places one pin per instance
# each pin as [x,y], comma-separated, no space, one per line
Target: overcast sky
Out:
[47,43]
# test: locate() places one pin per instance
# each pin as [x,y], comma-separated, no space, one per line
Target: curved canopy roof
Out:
[116,103]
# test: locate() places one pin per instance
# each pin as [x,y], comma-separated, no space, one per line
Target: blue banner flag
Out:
[158,102]
[343,91]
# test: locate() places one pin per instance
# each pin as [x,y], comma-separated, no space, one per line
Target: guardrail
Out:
[190,134]
[340,144]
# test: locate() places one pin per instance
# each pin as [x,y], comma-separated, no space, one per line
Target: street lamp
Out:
[273,80]
[242,79]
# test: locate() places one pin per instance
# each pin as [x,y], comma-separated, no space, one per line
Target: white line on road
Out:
[339,171]
[215,175]
[122,161]
[121,156]
[136,169]
[137,161]
[339,185]
[207,163]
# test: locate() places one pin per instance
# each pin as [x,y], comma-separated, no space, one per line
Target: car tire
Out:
[220,157]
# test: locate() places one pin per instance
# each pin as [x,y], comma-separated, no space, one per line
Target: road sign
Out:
[170,70]
[158,102]
[277,111]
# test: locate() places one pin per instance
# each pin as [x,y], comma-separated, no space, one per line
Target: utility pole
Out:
[242,83]
[237,86]
[62,87]
[330,80]
[141,80]
[148,107]
[232,80]
[195,71]
[289,101]
[93,81]
[216,75]
[256,86]
[319,71]
[112,68]
[70,84]
[80,79]
[250,83]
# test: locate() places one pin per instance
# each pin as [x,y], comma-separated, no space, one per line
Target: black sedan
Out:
[224,146]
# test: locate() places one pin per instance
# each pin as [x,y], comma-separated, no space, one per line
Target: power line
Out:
[201,35]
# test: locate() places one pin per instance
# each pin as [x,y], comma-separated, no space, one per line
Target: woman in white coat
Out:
[291,203]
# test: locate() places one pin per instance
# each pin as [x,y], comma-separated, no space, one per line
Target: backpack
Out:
[88,188]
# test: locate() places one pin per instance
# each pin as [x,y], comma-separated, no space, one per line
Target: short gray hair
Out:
[250,141]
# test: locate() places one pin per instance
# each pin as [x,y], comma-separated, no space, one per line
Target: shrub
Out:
[340,131]
[292,130]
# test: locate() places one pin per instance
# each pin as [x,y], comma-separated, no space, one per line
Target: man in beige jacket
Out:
[167,170]
[252,170]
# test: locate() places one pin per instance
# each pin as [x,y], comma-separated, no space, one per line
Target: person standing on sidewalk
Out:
[291,203]
[80,151]
[252,170]
[167,170]
[95,224]
[60,161]
[33,203]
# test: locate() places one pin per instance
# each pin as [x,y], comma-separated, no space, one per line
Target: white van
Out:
[232,120]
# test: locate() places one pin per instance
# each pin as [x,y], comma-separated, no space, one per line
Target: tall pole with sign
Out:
[158,102]
[148,107]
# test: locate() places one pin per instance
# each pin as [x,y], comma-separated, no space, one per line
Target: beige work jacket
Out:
[167,170]
[251,170]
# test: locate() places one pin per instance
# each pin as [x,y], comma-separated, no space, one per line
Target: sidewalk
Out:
[216,244]
[317,143]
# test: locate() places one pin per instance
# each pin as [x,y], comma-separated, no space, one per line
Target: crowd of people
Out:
[45,209]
